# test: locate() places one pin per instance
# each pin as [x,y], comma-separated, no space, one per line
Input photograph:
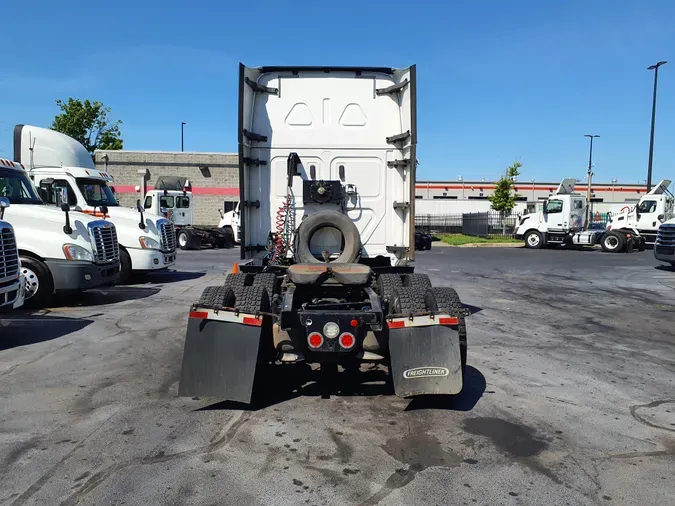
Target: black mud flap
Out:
[219,360]
[425,360]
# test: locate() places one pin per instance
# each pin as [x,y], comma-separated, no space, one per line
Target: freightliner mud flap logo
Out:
[426,372]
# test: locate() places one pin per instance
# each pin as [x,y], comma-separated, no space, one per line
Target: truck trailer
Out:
[326,276]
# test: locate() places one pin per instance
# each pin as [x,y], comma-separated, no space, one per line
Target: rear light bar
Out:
[422,321]
[227,316]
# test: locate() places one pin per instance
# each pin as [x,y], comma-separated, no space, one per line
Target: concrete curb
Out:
[441,244]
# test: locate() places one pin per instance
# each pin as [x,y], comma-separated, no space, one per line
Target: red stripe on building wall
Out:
[208,190]
[524,187]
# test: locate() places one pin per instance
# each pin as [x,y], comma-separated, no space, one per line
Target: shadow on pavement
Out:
[26,329]
[474,387]
[103,296]
[664,267]
[300,381]
[164,277]
[472,309]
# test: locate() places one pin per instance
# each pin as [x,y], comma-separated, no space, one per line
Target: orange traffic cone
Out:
[235,268]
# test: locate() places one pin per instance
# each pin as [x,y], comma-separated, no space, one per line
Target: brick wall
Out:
[214,176]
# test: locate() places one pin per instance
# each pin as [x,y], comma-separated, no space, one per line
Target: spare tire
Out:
[323,219]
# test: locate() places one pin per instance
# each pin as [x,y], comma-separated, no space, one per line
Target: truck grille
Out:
[666,235]
[104,239]
[168,235]
[9,256]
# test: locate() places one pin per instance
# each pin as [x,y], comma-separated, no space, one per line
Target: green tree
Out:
[88,123]
[502,199]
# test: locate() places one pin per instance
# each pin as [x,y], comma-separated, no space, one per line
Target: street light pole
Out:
[655,68]
[590,178]
[182,124]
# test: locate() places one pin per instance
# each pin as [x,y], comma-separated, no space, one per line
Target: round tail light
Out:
[315,340]
[347,340]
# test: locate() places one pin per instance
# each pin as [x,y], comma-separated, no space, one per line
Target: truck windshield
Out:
[647,206]
[15,185]
[96,192]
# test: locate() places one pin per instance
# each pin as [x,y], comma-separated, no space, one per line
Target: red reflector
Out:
[347,340]
[452,320]
[315,340]
[199,315]
[396,324]
[252,321]
[354,323]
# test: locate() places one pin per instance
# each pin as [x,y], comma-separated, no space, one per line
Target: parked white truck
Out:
[59,164]
[12,282]
[327,192]
[59,251]
[645,217]
[560,222]
[172,198]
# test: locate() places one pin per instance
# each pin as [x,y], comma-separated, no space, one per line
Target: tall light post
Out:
[460,178]
[590,178]
[182,124]
[614,181]
[655,68]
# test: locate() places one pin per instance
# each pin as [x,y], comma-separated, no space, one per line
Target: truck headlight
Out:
[75,252]
[148,242]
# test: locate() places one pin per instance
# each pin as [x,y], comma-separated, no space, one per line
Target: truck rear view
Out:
[327,176]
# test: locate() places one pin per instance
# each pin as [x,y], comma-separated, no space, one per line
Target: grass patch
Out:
[461,239]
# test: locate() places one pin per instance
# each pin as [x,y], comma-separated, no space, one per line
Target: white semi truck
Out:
[60,251]
[172,198]
[645,217]
[58,164]
[560,222]
[327,193]
[12,282]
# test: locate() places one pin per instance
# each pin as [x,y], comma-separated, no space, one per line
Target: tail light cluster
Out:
[331,330]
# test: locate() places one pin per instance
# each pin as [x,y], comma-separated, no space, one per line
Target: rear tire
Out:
[217,296]
[613,242]
[269,281]
[534,239]
[39,284]
[237,282]
[387,284]
[420,281]
[409,300]
[228,237]
[446,300]
[253,299]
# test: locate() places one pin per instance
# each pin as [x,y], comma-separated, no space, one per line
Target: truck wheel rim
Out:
[32,282]
[182,240]
[533,239]
[611,242]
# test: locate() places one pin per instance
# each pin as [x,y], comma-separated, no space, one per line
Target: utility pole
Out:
[655,68]
[182,124]
[590,179]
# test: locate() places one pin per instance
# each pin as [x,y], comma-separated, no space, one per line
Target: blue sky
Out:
[498,80]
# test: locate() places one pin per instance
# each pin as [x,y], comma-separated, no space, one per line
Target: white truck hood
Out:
[126,222]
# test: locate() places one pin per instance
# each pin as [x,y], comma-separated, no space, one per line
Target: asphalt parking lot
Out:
[570,399]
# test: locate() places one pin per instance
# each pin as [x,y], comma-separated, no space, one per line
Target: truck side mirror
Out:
[141,224]
[4,204]
[660,217]
[67,229]
[104,210]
